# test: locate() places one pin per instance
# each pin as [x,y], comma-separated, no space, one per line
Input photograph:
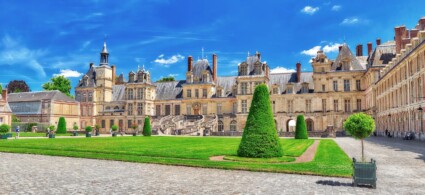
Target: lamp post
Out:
[389,120]
[422,121]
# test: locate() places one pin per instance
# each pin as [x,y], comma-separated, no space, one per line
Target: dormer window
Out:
[219,93]
[304,88]
[289,89]
[257,68]
[205,77]
[243,70]
[275,90]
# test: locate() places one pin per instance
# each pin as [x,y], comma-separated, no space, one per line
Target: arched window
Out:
[107,108]
[310,124]
[233,126]
[116,108]
[220,126]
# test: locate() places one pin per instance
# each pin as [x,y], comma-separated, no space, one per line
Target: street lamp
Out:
[422,121]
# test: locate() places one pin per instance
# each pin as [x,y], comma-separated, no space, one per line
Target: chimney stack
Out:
[339,48]
[113,74]
[369,48]
[400,33]
[189,63]
[378,41]
[214,67]
[298,72]
[4,95]
[359,50]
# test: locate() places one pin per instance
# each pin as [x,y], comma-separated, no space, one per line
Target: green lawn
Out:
[30,134]
[330,160]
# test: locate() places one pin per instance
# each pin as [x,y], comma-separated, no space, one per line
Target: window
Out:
[275,90]
[129,124]
[219,94]
[289,90]
[111,122]
[290,106]
[139,108]
[204,93]
[274,106]
[233,125]
[335,84]
[336,106]
[148,94]
[307,105]
[235,107]
[204,109]
[176,109]
[90,97]
[244,88]
[219,108]
[188,109]
[243,70]
[103,124]
[347,105]
[158,110]
[130,94]
[323,88]
[322,70]
[324,105]
[358,88]
[167,110]
[130,109]
[244,106]
[205,78]
[84,97]
[359,105]
[140,93]
[346,85]
[304,89]
[196,93]
[220,126]
[189,93]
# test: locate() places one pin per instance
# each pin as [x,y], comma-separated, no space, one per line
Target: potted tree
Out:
[4,129]
[135,129]
[97,127]
[114,129]
[361,126]
[88,130]
[51,131]
[75,133]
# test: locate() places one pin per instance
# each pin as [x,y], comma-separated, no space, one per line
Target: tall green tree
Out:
[147,127]
[360,126]
[260,139]
[61,126]
[166,79]
[301,128]
[17,86]
[60,83]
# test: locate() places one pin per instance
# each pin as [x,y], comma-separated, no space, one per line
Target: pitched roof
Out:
[382,54]
[38,96]
[90,76]
[282,79]
[28,107]
[169,90]
[226,82]
[346,61]
[250,62]
[199,67]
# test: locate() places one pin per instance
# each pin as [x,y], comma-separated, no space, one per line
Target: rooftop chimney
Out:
[214,67]
[359,50]
[369,48]
[4,95]
[298,72]
[189,63]
[113,74]
[339,48]
[378,41]
[400,33]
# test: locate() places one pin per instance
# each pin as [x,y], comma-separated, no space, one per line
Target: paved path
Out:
[35,174]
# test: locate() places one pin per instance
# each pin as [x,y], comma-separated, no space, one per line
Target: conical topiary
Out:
[61,126]
[301,128]
[147,127]
[260,139]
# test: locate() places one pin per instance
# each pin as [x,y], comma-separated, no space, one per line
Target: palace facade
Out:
[385,82]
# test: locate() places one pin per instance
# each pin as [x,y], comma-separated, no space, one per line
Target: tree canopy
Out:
[17,86]
[360,125]
[60,83]
[166,79]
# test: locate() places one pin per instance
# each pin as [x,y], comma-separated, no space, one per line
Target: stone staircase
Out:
[195,125]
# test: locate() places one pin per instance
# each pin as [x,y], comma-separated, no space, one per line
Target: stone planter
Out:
[134,134]
[74,133]
[88,134]
[114,134]
[52,136]
[4,136]
[364,173]
[97,133]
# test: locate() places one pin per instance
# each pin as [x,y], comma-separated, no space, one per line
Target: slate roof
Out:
[91,78]
[250,62]
[169,90]
[199,67]
[118,92]
[382,54]
[226,82]
[282,79]
[38,96]
[354,63]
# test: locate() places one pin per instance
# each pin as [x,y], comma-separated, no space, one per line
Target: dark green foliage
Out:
[75,127]
[301,128]
[29,126]
[114,128]
[59,83]
[166,79]
[97,127]
[260,139]
[52,128]
[16,86]
[4,128]
[89,129]
[61,126]
[147,127]
[359,125]
[15,119]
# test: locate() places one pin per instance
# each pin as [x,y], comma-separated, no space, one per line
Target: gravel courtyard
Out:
[401,170]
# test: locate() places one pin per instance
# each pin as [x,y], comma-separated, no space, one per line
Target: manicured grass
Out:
[30,134]
[282,159]
[330,160]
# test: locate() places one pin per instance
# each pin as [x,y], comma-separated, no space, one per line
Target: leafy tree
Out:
[89,129]
[75,127]
[60,83]
[17,86]
[260,139]
[147,127]
[52,128]
[360,126]
[301,128]
[15,119]
[166,79]
[4,128]
[61,126]
[114,127]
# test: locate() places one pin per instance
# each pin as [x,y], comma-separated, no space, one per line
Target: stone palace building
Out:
[385,82]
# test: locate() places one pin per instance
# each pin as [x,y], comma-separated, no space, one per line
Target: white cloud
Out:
[68,73]
[332,47]
[166,62]
[309,10]
[336,8]
[281,70]
[12,53]
[173,75]
[350,21]
[312,51]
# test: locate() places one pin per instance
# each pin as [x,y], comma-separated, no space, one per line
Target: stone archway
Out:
[310,124]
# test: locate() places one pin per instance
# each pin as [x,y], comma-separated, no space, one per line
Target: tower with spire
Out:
[104,55]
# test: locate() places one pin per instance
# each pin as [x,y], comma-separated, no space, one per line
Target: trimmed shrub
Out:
[4,128]
[89,129]
[114,128]
[260,139]
[52,128]
[147,127]
[301,128]
[61,126]
[360,126]
[75,127]
[29,126]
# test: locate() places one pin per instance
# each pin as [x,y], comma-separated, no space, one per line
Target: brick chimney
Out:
[189,63]
[359,50]
[421,25]
[369,48]
[400,33]
[214,67]
[298,72]
[113,74]
[4,95]
[339,48]
[378,41]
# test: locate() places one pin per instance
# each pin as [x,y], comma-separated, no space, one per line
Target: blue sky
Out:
[43,38]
